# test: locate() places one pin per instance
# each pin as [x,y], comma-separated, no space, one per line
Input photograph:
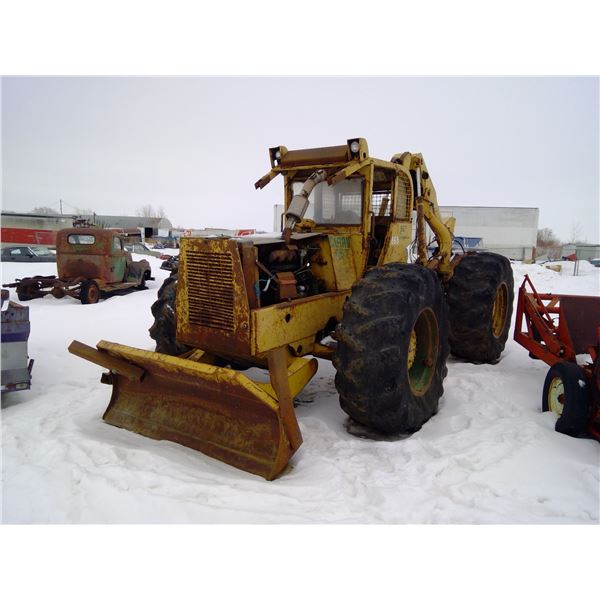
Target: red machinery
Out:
[557,329]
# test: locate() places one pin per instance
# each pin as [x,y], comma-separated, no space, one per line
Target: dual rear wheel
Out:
[392,348]
[398,328]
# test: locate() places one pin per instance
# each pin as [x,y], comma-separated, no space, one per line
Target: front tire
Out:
[89,292]
[566,395]
[480,298]
[392,349]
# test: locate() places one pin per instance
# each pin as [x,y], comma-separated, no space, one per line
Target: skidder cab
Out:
[335,284]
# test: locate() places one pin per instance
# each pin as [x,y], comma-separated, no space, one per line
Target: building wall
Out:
[582,251]
[35,230]
[511,231]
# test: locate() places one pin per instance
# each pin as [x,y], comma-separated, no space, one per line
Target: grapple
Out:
[221,412]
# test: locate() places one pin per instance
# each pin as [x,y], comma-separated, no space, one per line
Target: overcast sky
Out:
[196,145]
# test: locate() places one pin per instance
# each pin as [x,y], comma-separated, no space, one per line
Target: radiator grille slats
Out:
[210,289]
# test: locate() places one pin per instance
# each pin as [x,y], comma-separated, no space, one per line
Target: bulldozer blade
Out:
[218,411]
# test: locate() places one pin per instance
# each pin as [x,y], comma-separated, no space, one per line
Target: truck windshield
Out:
[339,204]
[41,251]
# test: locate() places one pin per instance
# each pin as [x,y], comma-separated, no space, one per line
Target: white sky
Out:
[196,145]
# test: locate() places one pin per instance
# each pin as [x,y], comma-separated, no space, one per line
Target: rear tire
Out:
[142,284]
[89,292]
[480,298]
[392,349]
[566,395]
[163,331]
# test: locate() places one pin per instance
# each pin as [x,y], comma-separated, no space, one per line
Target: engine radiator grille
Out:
[210,289]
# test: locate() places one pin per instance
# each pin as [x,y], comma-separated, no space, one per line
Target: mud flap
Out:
[218,411]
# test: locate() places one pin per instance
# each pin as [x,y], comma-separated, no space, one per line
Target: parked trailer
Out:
[559,329]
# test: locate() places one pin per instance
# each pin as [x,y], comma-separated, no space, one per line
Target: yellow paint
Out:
[283,324]
[499,310]
[399,237]
[203,292]
[343,261]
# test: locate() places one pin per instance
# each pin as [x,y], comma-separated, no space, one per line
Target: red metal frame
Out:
[547,340]
[546,335]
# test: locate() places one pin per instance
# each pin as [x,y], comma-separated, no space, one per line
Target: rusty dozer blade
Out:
[221,412]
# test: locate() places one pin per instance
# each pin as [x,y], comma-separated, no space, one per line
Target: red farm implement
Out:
[563,331]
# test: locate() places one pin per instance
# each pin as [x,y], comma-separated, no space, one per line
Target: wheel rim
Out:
[556,396]
[422,353]
[93,293]
[412,349]
[499,310]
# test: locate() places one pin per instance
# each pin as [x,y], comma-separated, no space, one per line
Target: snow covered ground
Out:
[489,456]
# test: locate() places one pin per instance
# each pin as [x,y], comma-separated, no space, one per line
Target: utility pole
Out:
[60,206]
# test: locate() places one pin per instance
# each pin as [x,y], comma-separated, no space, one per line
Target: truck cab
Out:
[97,254]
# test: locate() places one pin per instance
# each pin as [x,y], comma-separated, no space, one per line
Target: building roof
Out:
[120,221]
[9,213]
[470,207]
[103,220]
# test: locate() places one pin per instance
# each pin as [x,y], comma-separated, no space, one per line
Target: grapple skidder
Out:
[335,284]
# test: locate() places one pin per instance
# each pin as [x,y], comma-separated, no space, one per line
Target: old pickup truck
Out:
[91,263]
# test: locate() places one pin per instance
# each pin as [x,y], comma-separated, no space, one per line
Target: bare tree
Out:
[149,211]
[83,211]
[546,237]
[576,234]
[44,210]
[548,244]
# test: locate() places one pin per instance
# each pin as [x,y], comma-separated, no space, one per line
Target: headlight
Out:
[354,147]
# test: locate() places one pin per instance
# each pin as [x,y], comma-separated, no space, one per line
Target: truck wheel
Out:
[142,284]
[163,331]
[566,395]
[392,348]
[89,292]
[480,303]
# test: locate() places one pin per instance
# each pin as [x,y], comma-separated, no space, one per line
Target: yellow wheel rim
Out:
[500,310]
[412,349]
[556,396]
[422,352]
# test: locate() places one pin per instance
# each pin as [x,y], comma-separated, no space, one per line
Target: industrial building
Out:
[29,229]
[510,231]
[33,229]
[152,227]
[581,251]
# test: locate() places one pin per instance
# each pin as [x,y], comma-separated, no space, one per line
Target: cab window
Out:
[339,204]
[117,243]
[76,238]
